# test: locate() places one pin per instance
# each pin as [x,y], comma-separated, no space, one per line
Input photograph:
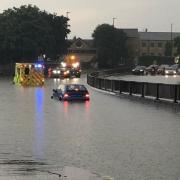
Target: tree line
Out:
[27,32]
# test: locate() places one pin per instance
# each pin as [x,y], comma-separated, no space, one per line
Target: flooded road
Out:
[167,79]
[115,136]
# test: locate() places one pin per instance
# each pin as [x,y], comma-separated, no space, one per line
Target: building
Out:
[85,50]
[132,44]
[154,43]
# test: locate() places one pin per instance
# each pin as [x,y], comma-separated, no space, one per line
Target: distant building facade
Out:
[154,43]
[138,43]
[85,50]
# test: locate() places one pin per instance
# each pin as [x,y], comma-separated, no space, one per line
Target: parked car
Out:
[71,92]
[176,67]
[139,70]
[161,69]
[152,69]
[58,72]
[170,71]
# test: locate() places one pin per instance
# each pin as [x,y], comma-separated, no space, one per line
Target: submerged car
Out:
[161,69]
[71,92]
[55,72]
[170,71]
[176,67]
[152,69]
[139,70]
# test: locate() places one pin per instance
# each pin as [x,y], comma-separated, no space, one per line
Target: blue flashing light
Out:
[38,66]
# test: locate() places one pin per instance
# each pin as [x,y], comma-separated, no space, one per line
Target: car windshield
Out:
[75,87]
[163,66]
[139,67]
[174,66]
[169,68]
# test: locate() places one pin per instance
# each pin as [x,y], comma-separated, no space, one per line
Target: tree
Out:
[177,45]
[27,32]
[111,45]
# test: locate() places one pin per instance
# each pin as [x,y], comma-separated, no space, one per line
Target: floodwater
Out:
[167,79]
[125,138]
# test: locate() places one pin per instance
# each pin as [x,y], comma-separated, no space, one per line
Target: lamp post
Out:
[171,41]
[113,21]
[67,13]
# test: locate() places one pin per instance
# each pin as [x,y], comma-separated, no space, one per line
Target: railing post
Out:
[112,87]
[175,93]
[142,90]
[99,83]
[157,91]
[94,81]
[104,84]
[120,90]
[130,88]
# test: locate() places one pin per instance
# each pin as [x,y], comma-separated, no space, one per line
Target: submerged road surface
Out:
[123,138]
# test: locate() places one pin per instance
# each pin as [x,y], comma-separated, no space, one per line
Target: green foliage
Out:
[27,32]
[111,45]
[177,45]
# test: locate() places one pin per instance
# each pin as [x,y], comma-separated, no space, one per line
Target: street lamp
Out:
[67,13]
[171,40]
[113,21]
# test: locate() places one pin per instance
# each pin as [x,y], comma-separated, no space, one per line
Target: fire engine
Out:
[71,64]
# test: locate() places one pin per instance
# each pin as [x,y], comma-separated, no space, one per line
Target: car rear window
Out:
[76,87]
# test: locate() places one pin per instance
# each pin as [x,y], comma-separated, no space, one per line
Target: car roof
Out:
[66,85]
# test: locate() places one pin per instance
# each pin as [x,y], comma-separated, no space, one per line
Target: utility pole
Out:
[67,13]
[67,16]
[113,21]
[171,41]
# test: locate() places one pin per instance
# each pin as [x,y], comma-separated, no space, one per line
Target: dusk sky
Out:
[85,15]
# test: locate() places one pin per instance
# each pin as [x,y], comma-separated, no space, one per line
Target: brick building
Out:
[154,43]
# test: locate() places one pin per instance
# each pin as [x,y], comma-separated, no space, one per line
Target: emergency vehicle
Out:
[29,74]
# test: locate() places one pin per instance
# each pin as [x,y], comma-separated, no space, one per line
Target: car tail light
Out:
[87,95]
[66,95]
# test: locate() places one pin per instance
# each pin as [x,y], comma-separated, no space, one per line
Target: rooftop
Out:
[158,36]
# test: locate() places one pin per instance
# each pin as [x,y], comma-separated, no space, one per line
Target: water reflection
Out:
[39,121]
[72,107]
[66,104]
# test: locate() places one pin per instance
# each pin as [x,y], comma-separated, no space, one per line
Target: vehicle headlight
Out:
[58,72]
[133,70]
[63,64]
[75,65]
[166,72]
[67,71]
[174,72]
[54,72]
[141,70]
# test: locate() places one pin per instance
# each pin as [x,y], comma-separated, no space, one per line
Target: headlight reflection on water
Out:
[39,121]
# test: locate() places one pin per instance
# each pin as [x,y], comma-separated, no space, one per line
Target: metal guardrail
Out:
[157,91]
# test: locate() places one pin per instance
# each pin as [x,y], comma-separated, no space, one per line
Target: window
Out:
[152,44]
[159,44]
[26,71]
[143,44]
